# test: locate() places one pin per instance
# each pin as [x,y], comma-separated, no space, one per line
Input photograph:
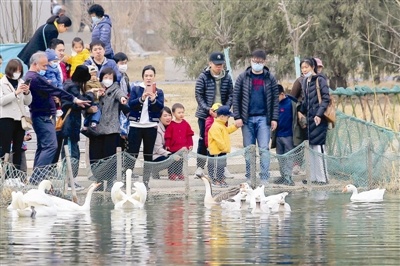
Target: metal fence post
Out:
[119,164]
[185,171]
[253,165]
[369,163]
[70,174]
[307,162]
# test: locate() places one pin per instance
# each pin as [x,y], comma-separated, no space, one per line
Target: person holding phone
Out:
[145,103]
[14,96]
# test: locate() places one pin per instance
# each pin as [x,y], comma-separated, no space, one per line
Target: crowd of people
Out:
[93,84]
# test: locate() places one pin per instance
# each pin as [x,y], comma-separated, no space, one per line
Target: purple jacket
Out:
[42,95]
[102,31]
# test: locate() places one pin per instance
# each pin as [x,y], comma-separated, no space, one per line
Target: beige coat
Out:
[9,102]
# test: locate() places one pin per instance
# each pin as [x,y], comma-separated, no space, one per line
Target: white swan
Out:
[67,205]
[373,195]
[128,200]
[36,198]
[210,199]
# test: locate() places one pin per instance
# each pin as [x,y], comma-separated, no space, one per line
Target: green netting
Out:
[358,152]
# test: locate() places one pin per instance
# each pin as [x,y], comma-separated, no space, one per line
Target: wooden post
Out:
[253,165]
[70,174]
[369,163]
[119,164]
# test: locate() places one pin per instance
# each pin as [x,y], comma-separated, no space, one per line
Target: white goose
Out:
[35,202]
[276,203]
[128,200]
[234,203]
[373,195]
[209,199]
[67,205]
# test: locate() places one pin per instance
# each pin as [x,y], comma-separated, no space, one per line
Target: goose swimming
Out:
[373,195]
[210,199]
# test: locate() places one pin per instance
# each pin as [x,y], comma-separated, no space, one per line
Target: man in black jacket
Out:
[214,85]
[256,108]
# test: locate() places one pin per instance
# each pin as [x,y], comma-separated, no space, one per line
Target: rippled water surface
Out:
[323,228]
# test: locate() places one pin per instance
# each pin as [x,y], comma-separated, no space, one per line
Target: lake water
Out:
[323,228]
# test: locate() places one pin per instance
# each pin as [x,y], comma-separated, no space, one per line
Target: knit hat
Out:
[81,74]
[224,110]
[51,55]
[215,106]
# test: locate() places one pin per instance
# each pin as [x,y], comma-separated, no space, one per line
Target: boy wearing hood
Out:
[53,74]
[214,85]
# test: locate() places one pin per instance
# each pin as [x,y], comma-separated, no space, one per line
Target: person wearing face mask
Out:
[122,62]
[53,74]
[256,108]
[14,96]
[58,46]
[43,112]
[313,111]
[101,28]
[42,37]
[103,143]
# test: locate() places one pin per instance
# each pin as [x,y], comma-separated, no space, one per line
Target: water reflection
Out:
[323,228]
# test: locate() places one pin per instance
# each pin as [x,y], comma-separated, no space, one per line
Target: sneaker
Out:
[227,174]
[223,183]
[279,181]
[297,170]
[199,172]
[173,177]
[77,187]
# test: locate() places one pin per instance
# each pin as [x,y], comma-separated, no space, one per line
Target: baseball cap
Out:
[217,58]
[92,68]
[319,62]
[215,106]
[224,110]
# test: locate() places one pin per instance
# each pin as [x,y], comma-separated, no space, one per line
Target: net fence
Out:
[357,152]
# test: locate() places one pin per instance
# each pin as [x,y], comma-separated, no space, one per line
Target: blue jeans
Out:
[257,130]
[46,145]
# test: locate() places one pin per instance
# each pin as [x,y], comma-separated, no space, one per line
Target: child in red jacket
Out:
[178,135]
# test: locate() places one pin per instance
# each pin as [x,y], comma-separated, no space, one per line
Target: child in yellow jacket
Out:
[219,144]
[82,54]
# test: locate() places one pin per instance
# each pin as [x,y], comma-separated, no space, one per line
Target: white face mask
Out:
[123,68]
[257,67]
[107,82]
[308,74]
[16,75]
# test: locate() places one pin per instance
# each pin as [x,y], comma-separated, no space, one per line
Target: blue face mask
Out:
[257,67]
[53,65]
[42,72]
[95,20]
[308,74]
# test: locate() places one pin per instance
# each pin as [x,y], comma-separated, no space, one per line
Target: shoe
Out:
[279,181]
[180,177]
[297,170]
[319,183]
[216,184]
[223,183]
[13,182]
[146,184]
[199,172]
[227,174]
[173,177]
[288,183]
[77,187]
[304,181]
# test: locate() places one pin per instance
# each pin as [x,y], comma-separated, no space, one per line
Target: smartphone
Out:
[27,81]
[154,87]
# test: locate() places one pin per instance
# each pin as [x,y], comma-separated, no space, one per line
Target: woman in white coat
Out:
[14,95]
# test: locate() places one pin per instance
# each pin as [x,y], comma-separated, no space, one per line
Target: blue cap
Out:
[224,110]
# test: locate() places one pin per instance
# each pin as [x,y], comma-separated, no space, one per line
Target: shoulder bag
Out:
[330,112]
[61,120]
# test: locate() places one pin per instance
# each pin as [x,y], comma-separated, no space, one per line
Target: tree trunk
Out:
[26,18]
